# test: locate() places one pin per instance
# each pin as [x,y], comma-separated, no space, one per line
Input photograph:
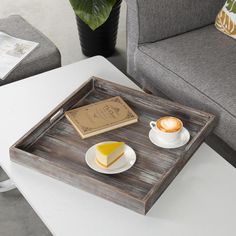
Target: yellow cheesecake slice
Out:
[108,153]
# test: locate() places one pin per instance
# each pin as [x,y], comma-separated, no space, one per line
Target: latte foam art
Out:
[169,124]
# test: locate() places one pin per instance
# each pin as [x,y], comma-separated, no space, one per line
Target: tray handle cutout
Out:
[56,115]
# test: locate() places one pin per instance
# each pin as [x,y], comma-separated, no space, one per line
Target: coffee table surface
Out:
[200,201]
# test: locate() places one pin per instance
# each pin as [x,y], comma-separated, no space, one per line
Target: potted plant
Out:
[97,22]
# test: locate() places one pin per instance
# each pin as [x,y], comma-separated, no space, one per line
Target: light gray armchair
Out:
[174,48]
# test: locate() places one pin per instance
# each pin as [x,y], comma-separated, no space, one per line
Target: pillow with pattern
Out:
[226,19]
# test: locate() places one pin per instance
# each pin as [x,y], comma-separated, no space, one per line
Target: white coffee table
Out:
[200,201]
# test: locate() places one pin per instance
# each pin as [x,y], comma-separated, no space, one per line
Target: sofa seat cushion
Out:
[45,57]
[197,68]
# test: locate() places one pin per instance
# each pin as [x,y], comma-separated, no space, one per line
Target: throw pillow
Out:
[226,19]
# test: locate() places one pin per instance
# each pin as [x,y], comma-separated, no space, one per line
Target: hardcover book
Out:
[101,117]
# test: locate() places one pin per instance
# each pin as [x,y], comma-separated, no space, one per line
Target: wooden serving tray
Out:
[54,147]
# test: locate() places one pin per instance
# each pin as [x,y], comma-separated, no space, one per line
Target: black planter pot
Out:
[101,41]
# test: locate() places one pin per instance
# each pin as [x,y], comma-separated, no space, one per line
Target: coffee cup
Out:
[167,128]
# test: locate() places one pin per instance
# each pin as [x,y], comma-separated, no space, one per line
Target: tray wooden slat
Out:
[53,146]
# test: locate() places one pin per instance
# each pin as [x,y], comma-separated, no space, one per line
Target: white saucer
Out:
[184,138]
[122,164]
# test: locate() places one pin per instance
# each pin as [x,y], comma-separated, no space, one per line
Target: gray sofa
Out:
[174,48]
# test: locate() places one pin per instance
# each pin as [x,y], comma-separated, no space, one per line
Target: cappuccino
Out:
[167,128]
[169,124]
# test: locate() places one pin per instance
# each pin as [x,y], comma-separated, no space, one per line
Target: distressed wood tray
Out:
[54,148]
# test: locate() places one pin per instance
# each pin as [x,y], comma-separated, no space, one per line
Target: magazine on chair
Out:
[12,52]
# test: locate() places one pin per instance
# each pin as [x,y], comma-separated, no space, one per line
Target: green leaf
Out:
[93,12]
[231,7]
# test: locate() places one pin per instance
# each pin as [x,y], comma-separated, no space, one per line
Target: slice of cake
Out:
[108,153]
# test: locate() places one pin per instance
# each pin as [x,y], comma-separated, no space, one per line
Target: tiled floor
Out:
[55,19]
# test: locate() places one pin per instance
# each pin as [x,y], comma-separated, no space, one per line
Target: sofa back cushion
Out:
[160,19]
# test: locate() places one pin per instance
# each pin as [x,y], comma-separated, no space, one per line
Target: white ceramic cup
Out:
[167,137]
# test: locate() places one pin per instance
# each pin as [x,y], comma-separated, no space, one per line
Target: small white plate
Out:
[184,138]
[122,164]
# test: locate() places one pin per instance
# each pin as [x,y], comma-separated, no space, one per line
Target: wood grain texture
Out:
[54,147]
